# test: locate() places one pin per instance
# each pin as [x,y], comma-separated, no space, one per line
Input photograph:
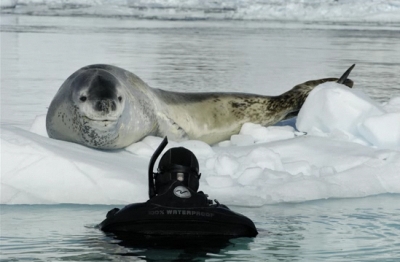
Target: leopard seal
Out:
[107,107]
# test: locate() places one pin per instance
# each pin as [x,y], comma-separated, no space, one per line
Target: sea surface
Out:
[360,229]
[267,57]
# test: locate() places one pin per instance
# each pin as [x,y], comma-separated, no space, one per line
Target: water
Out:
[39,53]
[362,229]
[371,11]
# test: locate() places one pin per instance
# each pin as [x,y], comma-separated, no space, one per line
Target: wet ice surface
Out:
[351,151]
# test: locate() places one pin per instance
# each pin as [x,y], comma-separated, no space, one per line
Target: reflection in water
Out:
[188,250]
[326,230]
[283,237]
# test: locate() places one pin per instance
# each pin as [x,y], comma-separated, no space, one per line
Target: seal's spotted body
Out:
[107,107]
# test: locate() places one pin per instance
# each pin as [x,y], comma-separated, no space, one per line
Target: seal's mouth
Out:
[101,134]
[100,121]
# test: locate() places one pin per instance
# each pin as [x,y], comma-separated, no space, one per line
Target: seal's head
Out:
[99,97]
[88,109]
[99,102]
[101,106]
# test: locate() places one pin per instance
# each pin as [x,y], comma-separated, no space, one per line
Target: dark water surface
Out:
[362,229]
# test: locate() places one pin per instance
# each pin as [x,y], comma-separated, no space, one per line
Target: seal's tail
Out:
[301,91]
[343,79]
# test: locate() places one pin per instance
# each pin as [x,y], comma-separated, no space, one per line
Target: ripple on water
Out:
[366,229]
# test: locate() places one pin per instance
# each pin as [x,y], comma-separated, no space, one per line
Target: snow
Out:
[345,146]
[350,115]
[289,10]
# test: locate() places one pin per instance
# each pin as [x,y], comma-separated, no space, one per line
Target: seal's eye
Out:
[83,98]
[120,98]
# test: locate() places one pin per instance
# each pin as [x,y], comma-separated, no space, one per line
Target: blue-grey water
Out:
[39,53]
[362,229]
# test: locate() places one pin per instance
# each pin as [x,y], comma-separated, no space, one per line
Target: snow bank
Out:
[37,169]
[292,10]
[347,114]
[352,149]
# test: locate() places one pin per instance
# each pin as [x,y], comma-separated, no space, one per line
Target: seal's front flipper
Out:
[168,127]
[343,79]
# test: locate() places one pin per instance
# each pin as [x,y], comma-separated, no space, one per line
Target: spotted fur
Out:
[138,110]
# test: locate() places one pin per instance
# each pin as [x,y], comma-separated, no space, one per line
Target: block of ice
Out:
[39,170]
[382,131]
[250,176]
[298,167]
[219,181]
[393,105]
[346,114]
[39,126]
[264,158]
[242,140]
[226,165]
[263,134]
[331,106]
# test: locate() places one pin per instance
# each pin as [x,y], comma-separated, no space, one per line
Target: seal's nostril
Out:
[120,98]
[105,106]
[101,106]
